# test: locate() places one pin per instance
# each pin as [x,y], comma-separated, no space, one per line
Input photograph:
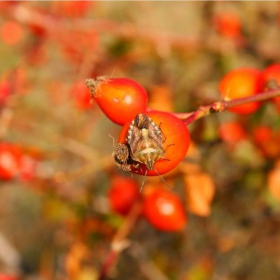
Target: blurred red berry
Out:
[122,194]
[228,24]
[120,99]
[38,28]
[71,9]
[8,4]
[5,91]
[272,72]
[27,168]
[4,276]
[239,83]
[10,157]
[267,141]
[231,132]
[164,210]
[262,134]
[176,142]
[11,32]
[81,96]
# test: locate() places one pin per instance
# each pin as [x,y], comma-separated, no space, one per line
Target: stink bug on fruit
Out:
[123,158]
[145,140]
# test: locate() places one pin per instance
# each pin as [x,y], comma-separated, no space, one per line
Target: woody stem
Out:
[223,105]
[119,242]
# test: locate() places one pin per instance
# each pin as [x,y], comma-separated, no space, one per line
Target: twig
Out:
[120,242]
[29,16]
[223,105]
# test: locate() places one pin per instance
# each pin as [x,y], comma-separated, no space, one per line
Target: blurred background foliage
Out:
[55,219]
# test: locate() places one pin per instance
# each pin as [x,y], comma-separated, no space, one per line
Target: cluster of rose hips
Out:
[121,99]
[246,82]
[163,209]
[16,163]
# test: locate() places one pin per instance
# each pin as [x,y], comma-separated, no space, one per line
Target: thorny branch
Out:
[223,105]
[126,30]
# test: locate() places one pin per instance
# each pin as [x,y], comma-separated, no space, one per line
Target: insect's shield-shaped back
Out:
[145,141]
[144,147]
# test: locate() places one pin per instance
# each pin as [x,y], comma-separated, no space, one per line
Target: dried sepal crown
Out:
[93,84]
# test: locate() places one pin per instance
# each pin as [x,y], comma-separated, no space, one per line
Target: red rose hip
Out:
[164,210]
[239,83]
[120,99]
[175,143]
[10,159]
[122,194]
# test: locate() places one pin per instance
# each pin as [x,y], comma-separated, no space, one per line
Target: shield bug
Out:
[145,141]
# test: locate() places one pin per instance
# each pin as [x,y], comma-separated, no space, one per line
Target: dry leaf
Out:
[200,191]
[74,259]
[273,181]
[225,244]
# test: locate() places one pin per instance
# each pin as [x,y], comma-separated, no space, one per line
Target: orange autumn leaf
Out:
[74,259]
[273,181]
[199,189]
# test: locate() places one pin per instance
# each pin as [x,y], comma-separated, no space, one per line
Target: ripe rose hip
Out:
[10,160]
[121,99]
[267,140]
[28,166]
[122,194]
[164,210]
[272,74]
[176,140]
[228,24]
[231,132]
[71,9]
[11,33]
[239,83]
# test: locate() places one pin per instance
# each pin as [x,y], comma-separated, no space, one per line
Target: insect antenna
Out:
[161,178]
[113,140]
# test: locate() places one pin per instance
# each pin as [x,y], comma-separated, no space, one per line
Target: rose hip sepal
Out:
[120,99]
[175,143]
